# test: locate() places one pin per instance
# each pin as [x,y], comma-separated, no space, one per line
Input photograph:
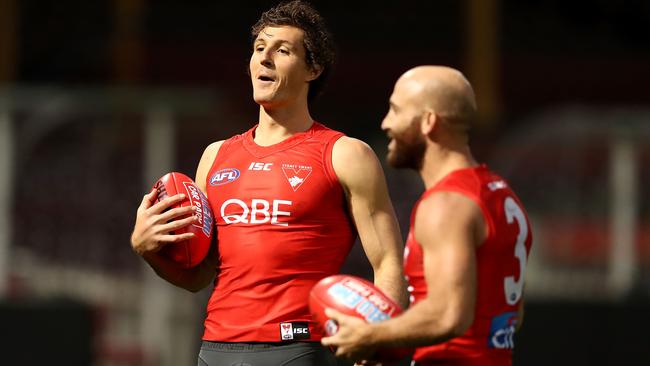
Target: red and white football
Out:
[358,297]
[191,252]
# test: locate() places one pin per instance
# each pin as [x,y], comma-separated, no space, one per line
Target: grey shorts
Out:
[265,354]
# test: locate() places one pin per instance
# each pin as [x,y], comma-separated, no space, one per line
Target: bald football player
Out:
[469,238]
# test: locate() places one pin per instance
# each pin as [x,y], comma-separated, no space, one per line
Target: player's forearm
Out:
[191,279]
[419,326]
[389,277]
[388,266]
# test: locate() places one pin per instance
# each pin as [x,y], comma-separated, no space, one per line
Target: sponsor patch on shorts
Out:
[294,331]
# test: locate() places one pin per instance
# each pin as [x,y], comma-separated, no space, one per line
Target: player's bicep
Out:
[445,226]
[205,164]
[357,169]
[362,178]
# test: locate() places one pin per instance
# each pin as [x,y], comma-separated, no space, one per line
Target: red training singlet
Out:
[282,226]
[501,263]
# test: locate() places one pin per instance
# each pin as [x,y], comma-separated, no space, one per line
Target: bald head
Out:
[442,89]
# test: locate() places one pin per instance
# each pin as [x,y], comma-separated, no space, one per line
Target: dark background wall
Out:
[548,52]
[543,54]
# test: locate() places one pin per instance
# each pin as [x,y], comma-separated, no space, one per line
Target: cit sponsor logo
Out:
[295,330]
[198,200]
[257,212]
[502,330]
[260,166]
[296,174]
[224,176]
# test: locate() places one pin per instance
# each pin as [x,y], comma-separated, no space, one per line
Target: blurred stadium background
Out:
[99,98]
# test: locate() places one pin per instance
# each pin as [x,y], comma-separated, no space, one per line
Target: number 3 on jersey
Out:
[513,289]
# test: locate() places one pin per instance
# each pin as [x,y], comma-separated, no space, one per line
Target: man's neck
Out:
[439,162]
[276,125]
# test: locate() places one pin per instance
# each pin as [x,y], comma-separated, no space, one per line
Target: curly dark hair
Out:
[319,47]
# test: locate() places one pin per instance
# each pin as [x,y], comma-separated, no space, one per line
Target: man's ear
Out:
[428,123]
[315,72]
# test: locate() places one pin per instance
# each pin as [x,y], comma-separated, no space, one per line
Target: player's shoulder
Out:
[355,163]
[353,156]
[446,214]
[209,154]
[441,207]
[213,149]
[444,199]
[351,148]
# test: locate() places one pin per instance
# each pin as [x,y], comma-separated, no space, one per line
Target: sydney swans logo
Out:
[296,174]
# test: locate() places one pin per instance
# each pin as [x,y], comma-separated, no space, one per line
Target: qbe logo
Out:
[224,176]
[258,211]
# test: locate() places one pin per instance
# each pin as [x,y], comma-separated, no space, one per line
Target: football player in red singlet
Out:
[289,197]
[469,238]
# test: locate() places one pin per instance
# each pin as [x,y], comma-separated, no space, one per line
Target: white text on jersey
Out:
[260,166]
[235,211]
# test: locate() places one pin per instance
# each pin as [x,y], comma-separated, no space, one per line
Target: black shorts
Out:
[265,354]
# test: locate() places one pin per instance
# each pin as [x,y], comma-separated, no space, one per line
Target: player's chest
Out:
[273,190]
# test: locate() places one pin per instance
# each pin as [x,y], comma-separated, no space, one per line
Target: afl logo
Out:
[224,176]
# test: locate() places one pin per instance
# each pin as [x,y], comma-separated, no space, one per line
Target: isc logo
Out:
[224,176]
[260,166]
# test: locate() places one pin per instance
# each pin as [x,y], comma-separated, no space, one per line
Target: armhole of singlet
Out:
[486,213]
[327,158]
[486,216]
[414,211]
[222,150]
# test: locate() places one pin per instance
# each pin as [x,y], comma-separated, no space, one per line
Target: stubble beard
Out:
[407,154]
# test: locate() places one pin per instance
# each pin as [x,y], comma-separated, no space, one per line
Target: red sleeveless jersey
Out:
[501,263]
[282,225]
